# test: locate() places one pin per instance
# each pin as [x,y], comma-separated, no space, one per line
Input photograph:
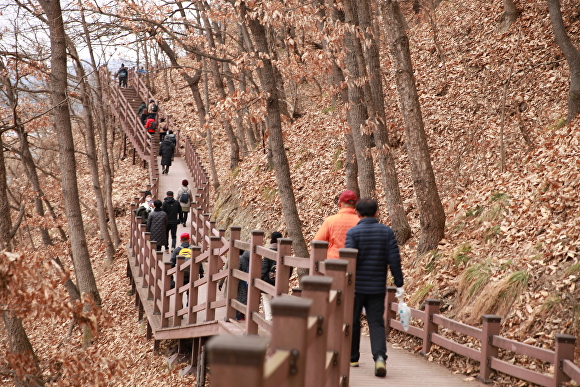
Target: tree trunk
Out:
[219,84]
[107,172]
[357,109]
[19,344]
[91,151]
[208,137]
[351,165]
[510,14]
[267,80]
[6,223]
[396,210]
[572,57]
[62,124]
[431,213]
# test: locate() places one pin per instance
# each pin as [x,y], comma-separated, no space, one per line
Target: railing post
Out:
[166,283]
[178,299]
[389,314]
[289,332]
[338,328]
[233,263]
[158,282]
[350,256]
[431,308]
[490,327]
[318,250]
[253,292]
[234,359]
[193,290]
[150,270]
[282,271]
[317,288]
[132,226]
[564,350]
[212,268]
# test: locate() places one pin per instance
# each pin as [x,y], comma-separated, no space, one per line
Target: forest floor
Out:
[512,239]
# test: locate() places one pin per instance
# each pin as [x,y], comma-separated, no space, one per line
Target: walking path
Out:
[403,368]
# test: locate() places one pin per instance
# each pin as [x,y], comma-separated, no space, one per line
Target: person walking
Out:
[244,265]
[268,274]
[377,253]
[123,73]
[185,198]
[172,209]
[153,108]
[143,113]
[157,225]
[166,151]
[334,228]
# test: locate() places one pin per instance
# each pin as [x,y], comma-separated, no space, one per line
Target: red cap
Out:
[348,197]
[184,236]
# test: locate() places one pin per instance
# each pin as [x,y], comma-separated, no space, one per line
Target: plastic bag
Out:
[404,314]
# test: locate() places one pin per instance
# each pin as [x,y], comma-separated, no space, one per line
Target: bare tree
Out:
[62,123]
[374,87]
[273,119]
[431,213]
[572,57]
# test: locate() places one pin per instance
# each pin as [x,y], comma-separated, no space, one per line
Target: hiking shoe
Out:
[354,363]
[380,367]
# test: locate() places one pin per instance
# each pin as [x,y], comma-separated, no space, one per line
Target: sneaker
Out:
[354,363]
[380,367]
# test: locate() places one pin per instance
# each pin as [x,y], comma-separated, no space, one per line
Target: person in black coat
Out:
[157,225]
[172,208]
[166,151]
[377,253]
[268,274]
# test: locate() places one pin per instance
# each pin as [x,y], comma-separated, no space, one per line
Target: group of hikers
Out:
[354,226]
[162,218]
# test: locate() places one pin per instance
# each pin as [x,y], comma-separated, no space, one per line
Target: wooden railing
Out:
[491,342]
[310,340]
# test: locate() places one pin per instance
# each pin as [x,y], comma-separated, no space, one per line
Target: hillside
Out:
[512,242]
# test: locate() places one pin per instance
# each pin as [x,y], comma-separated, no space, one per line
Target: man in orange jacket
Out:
[334,228]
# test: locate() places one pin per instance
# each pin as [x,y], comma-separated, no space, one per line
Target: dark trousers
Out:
[374,305]
[183,216]
[173,229]
[123,81]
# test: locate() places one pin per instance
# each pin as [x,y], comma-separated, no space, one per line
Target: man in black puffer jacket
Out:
[377,251]
[172,208]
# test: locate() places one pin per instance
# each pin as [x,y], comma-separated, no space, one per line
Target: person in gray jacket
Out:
[157,225]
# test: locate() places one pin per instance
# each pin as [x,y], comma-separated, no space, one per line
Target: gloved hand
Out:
[220,286]
[399,293]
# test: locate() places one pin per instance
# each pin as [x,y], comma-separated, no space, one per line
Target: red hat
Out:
[184,236]
[348,197]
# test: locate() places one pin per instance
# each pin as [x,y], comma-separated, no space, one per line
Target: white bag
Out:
[404,314]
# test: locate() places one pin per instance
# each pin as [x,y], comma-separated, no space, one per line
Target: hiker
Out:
[171,137]
[166,151]
[268,274]
[185,198]
[334,228]
[172,208]
[162,130]
[143,113]
[183,249]
[151,126]
[145,209]
[157,225]
[244,266]
[153,108]
[123,73]
[377,253]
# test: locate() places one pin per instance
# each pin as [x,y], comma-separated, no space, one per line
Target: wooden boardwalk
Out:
[403,368]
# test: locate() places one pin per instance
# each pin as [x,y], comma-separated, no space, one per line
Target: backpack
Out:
[123,72]
[154,108]
[184,197]
[186,252]
[142,212]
